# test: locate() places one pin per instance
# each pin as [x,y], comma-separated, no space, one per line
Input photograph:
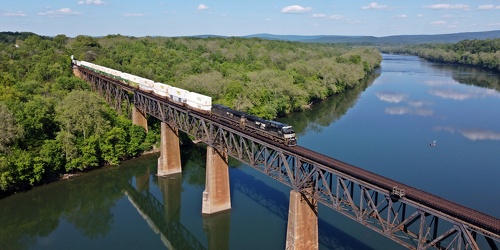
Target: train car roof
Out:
[279,124]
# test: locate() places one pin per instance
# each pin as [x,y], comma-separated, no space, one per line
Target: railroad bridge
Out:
[410,217]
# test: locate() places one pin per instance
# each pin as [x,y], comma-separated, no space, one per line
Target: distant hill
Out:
[371,40]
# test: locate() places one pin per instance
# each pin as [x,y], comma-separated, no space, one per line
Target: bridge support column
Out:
[77,72]
[170,152]
[139,118]
[216,196]
[302,229]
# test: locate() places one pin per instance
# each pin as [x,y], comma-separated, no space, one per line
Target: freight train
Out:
[276,131]
[282,133]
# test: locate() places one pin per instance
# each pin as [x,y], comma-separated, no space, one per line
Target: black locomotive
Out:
[276,131]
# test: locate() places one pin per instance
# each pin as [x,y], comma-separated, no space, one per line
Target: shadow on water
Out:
[327,111]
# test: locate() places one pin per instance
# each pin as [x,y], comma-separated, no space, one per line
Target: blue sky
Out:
[237,18]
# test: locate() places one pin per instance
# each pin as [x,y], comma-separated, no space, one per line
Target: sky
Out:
[238,18]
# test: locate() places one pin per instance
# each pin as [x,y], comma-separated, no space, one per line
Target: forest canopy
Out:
[263,77]
[46,110]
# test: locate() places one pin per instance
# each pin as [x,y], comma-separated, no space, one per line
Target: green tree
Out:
[114,146]
[82,113]
[10,131]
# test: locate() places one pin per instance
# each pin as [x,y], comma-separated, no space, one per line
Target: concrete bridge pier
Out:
[139,118]
[302,229]
[216,196]
[170,151]
[77,72]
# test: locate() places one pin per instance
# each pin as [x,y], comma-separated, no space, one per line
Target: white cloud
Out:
[398,111]
[133,14]
[408,111]
[488,7]
[401,16]
[438,22]
[391,97]
[418,104]
[319,15]
[477,134]
[60,12]
[202,7]
[493,24]
[455,95]
[13,14]
[450,94]
[332,17]
[335,17]
[376,6]
[472,134]
[92,2]
[448,6]
[295,9]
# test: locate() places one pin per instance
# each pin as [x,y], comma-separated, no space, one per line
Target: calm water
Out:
[384,126]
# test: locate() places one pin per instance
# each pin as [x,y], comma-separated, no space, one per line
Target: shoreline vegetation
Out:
[54,127]
[477,53]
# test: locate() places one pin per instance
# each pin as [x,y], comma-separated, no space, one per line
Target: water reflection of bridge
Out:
[164,218]
[277,203]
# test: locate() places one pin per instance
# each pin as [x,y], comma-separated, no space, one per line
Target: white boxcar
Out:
[86,64]
[146,84]
[115,73]
[199,101]
[131,79]
[177,94]
[106,70]
[161,88]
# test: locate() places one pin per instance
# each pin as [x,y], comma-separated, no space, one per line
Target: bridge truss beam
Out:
[409,223]
[116,95]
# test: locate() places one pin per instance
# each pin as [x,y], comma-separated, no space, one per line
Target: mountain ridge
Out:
[394,39]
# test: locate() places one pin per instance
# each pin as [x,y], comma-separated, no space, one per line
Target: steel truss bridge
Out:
[410,217]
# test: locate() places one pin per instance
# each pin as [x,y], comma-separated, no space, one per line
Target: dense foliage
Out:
[480,53]
[52,123]
[263,77]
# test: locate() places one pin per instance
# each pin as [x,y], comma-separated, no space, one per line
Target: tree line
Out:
[478,53]
[52,123]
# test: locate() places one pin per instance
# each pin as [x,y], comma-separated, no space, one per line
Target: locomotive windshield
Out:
[288,130]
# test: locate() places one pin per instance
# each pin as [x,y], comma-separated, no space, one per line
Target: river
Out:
[385,125]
